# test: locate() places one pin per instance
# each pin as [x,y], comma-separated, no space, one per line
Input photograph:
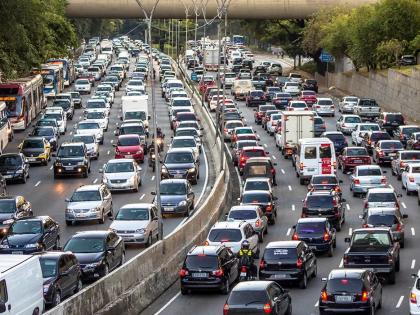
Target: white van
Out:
[314,156]
[6,132]
[21,285]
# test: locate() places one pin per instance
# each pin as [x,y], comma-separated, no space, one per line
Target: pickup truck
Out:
[373,248]
[367,109]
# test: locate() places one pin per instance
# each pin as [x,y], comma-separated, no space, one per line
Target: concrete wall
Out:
[394,91]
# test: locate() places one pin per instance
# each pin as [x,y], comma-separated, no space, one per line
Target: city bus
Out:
[24,100]
[238,40]
[6,132]
[69,73]
[53,78]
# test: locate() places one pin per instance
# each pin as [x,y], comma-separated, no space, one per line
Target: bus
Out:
[53,78]
[6,132]
[238,40]
[69,73]
[24,100]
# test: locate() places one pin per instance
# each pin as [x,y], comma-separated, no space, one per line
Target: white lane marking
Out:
[153,177]
[282,171]
[80,117]
[413,231]
[290,188]
[95,181]
[288,231]
[112,141]
[167,304]
[316,304]
[142,196]
[274,158]
[413,263]
[350,231]
[341,263]
[265,145]
[403,204]
[400,301]
[71,132]
[390,186]
[52,166]
[348,207]
[293,207]
[37,183]
[108,152]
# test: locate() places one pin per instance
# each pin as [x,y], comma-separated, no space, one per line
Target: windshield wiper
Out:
[252,302]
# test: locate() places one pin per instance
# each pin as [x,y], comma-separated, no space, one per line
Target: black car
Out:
[180,163]
[12,208]
[72,159]
[338,139]
[62,276]
[288,261]
[271,92]
[258,297]
[209,268]
[30,235]
[48,133]
[261,198]
[350,291]
[390,121]
[14,167]
[176,196]
[98,252]
[317,233]
[408,60]
[326,204]
[319,126]
[192,63]
[310,85]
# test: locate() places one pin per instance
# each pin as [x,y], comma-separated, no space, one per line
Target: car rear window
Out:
[335,137]
[352,120]
[395,118]
[257,185]
[247,297]
[369,127]
[350,285]
[243,214]
[318,121]
[324,180]
[369,239]
[415,170]
[225,235]
[369,172]
[298,105]
[256,198]
[357,152]
[382,197]
[325,102]
[410,155]
[254,153]
[325,151]
[201,262]
[382,219]
[380,136]
[311,227]
[280,253]
[392,145]
[319,201]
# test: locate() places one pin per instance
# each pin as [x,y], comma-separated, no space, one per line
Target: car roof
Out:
[346,273]
[133,135]
[261,159]
[88,187]
[373,229]
[125,160]
[256,192]
[184,138]
[256,148]
[287,244]
[141,205]
[308,220]
[321,193]
[96,233]
[177,150]
[244,207]
[252,285]
[210,250]
[384,211]
[364,167]
[258,179]
[381,190]
[65,144]
[173,181]
[227,225]
[54,254]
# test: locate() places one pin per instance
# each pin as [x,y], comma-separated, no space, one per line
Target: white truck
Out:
[211,59]
[295,126]
[135,107]
[21,285]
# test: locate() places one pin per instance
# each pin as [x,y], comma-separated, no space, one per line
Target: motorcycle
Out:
[245,274]
[160,143]
[152,159]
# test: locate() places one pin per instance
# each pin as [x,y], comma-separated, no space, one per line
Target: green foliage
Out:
[389,51]
[415,45]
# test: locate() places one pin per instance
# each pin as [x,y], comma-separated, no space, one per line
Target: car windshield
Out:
[225,235]
[26,227]
[318,121]
[356,152]
[43,132]
[392,145]
[382,197]
[181,102]
[324,180]
[256,198]
[128,141]
[410,155]
[280,254]
[243,214]
[32,144]
[409,130]
[352,120]
[308,93]
[120,167]
[183,143]
[173,189]
[382,220]
[129,130]
[319,202]
[85,245]
[91,125]
[185,116]
[248,297]
[201,261]
[232,125]
[56,116]
[48,267]
[369,239]
[254,153]
[242,131]
[7,206]
[128,214]
[310,228]
[95,115]
[86,195]
[325,102]
[351,99]
[380,136]
[179,157]
[347,285]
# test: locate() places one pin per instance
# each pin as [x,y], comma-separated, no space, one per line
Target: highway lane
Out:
[291,194]
[48,195]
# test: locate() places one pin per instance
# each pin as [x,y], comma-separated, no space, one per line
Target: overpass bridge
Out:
[238,9]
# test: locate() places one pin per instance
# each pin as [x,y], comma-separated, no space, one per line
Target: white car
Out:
[106,88]
[121,174]
[97,103]
[295,77]
[82,86]
[99,116]
[186,142]
[410,178]
[252,215]
[272,123]
[258,183]
[92,145]
[293,88]
[214,101]
[347,103]
[59,115]
[347,123]
[189,131]
[360,130]
[137,223]
[324,106]
[90,127]
[415,296]
[297,106]
[135,85]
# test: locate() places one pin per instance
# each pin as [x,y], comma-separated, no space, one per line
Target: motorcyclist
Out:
[246,257]
[159,133]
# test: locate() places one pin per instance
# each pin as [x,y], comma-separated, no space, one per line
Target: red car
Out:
[87,75]
[309,97]
[259,114]
[249,152]
[206,83]
[129,147]
[352,157]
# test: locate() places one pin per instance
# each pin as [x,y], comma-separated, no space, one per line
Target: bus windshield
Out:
[14,107]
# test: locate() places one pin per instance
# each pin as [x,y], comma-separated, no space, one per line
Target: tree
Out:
[389,51]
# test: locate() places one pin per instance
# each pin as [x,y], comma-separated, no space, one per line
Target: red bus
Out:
[24,100]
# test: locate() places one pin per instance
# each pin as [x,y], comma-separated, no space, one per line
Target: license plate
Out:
[199,275]
[357,161]
[392,154]
[343,299]
[312,247]
[178,176]
[31,159]
[280,276]
[128,156]
[169,209]
[243,274]
[69,168]
[310,169]
[81,215]
[17,252]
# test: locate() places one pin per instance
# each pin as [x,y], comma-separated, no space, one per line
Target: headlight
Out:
[2,246]
[34,245]
[19,171]
[140,231]
[94,265]
[46,287]
[183,203]
[10,221]
[191,170]
[153,156]
[69,210]
[164,169]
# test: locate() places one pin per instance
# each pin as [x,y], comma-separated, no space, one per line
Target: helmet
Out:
[158,129]
[245,244]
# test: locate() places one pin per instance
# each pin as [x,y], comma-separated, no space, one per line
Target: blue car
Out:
[338,139]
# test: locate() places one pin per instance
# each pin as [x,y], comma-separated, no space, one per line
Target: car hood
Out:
[125,225]
[5,168]
[122,175]
[133,148]
[178,166]
[83,205]
[88,258]
[172,198]
[29,152]
[6,216]
[21,239]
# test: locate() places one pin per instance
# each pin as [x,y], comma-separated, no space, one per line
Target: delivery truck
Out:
[135,107]
[295,126]
[211,59]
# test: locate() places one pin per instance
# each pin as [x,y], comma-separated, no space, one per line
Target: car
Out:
[98,252]
[66,104]
[129,147]
[176,196]
[317,233]
[260,167]
[360,131]
[98,116]
[319,126]
[13,208]
[293,88]
[186,142]
[351,157]
[37,150]
[14,167]
[325,182]
[71,159]
[137,223]
[390,121]
[232,234]
[350,291]
[291,261]
[238,131]
[367,109]
[77,99]
[62,276]
[262,109]
[258,183]
[403,133]
[190,132]
[266,296]
[229,127]
[255,97]
[388,217]
[297,106]
[273,125]
[106,88]
[89,203]
[309,97]
[324,106]
[92,146]
[347,123]
[347,104]
[271,92]
[133,128]
[371,137]
[238,146]
[88,127]
[135,85]
[83,86]
[249,152]
[410,178]
[59,115]
[386,150]
[31,234]
[180,163]
[252,214]
[402,159]
[48,122]
[381,198]
[98,103]
[267,117]
[337,138]
[365,177]
[414,293]
[326,204]
[281,100]
[295,77]
[211,267]
[121,174]
[310,85]
[48,133]
[408,60]
[413,143]
[264,199]
[182,115]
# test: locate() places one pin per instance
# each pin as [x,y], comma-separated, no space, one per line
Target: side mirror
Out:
[324,279]
[384,172]
[153,193]
[405,216]
[340,181]
[360,217]
[347,239]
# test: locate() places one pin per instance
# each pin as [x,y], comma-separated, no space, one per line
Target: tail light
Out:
[365,296]
[317,106]
[262,264]
[267,308]
[401,136]
[365,225]
[183,272]
[327,236]
[306,108]
[413,298]
[243,159]
[218,273]
[398,228]
[269,208]
[383,180]
[258,223]
[369,142]
[356,181]
[345,259]
[295,237]
[332,106]
[301,166]
[365,204]
[411,179]
[225,130]
[290,108]
[243,269]
[324,296]
[324,126]
[402,164]
[299,263]
[226,309]
[337,189]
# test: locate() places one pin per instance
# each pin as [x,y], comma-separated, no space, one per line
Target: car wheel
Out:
[402,244]
[380,302]
[303,283]
[391,277]
[302,181]
[372,310]
[289,309]
[105,270]
[79,286]
[149,240]
[122,260]
[56,299]
[397,265]
[85,174]
[315,272]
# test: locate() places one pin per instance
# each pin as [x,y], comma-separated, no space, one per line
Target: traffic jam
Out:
[329,193]
[78,162]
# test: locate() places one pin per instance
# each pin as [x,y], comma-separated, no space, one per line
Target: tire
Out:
[289,309]
[69,223]
[372,310]
[226,288]
[79,286]
[303,283]
[302,181]
[397,265]
[391,277]
[105,271]
[315,273]
[149,241]
[380,302]
[402,244]
[122,259]
[338,227]
[56,298]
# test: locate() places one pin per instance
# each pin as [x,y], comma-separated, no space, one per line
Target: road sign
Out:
[326,57]
[193,76]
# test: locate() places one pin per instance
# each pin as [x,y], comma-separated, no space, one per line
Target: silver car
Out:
[90,127]
[229,127]
[121,174]
[402,159]
[347,103]
[89,203]
[92,145]
[382,198]
[250,214]
[365,177]
[258,183]
[137,223]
